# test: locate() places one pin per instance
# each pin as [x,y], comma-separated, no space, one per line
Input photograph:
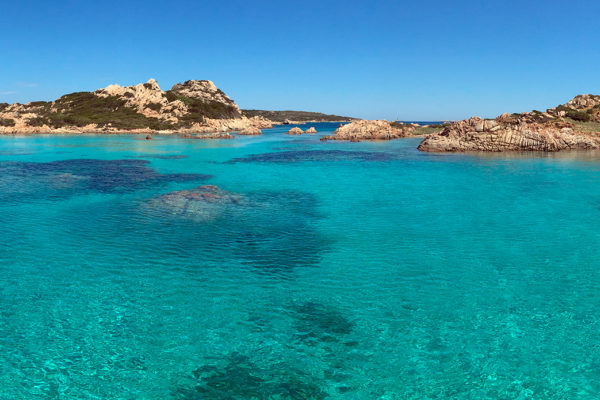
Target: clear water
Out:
[325,270]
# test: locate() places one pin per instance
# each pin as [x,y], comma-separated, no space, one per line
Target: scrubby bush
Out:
[154,106]
[37,121]
[7,122]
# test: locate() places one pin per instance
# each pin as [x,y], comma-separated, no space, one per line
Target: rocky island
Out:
[572,126]
[372,130]
[193,106]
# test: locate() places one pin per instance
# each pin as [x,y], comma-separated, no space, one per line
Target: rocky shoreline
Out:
[199,110]
[360,130]
[572,126]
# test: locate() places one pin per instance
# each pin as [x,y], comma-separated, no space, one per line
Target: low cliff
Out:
[572,126]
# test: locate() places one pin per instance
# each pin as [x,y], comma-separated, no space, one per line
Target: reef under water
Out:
[239,377]
[294,156]
[271,232]
[77,176]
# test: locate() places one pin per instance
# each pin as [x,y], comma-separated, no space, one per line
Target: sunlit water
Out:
[315,270]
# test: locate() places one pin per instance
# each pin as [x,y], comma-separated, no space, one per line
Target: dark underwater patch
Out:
[163,156]
[271,232]
[241,378]
[14,153]
[314,155]
[69,177]
[318,322]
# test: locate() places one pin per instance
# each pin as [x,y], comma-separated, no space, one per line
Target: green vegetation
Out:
[3,106]
[427,130]
[586,126]
[282,116]
[198,109]
[573,114]
[38,104]
[154,106]
[38,121]
[7,122]
[83,108]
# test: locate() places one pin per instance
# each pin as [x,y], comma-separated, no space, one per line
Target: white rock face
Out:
[148,99]
[205,91]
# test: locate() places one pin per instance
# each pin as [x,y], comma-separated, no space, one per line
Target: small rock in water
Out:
[295,131]
[148,137]
[311,130]
[251,131]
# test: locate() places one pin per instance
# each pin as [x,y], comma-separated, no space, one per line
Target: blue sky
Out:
[417,60]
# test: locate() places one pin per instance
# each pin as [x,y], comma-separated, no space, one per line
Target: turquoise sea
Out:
[316,270]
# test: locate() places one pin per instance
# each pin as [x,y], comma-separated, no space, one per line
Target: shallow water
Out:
[319,270]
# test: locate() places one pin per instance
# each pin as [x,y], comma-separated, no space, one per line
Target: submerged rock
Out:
[315,155]
[371,130]
[203,203]
[252,227]
[295,131]
[316,321]
[237,376]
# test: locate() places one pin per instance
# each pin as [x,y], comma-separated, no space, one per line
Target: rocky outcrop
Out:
[311,130]
[193,106]
[251,131]
[573,126]
[371,130]
[203,203]
[205,91]
[295,131]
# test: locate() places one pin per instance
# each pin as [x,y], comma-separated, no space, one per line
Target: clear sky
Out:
[412,60]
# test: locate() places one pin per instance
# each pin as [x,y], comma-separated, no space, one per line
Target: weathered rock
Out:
[295,131]
[148,137]
[250,131]
[510,133]
[311,130]
[572,126]
[371,130]
[203,203]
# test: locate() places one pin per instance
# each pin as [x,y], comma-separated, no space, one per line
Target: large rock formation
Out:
[371,130]
[575,125]
[193,106]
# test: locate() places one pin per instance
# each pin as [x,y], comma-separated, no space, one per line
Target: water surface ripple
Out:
[159,269]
